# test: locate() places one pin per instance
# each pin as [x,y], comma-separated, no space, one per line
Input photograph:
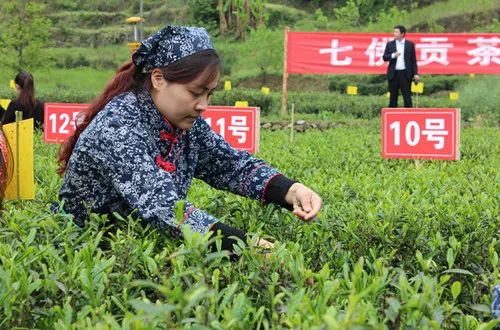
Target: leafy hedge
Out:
[87,19]
[366,107]
[93,37]
[316,102]
[377,84]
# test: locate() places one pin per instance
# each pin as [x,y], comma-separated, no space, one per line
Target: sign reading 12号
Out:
[427,133]
[238,126]
[59,120]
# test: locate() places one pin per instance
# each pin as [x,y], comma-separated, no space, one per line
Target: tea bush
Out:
[398,244]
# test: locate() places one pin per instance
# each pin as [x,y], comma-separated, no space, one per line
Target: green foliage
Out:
[24,34]
[320,18]
[86,19]
[355,106]
[478,102]
[261,53]
[396,246]
[490,27]
[280,15]
[377,84]
[101,58]
[204,13]
[348,15]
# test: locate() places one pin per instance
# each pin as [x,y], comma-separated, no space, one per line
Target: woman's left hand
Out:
[306,203]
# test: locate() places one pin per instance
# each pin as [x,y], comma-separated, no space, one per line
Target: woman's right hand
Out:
[265,244]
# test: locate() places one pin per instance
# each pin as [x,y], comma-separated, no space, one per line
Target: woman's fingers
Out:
[308,205]
[265,244]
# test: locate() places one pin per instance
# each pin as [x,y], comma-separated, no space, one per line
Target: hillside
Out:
[87,41]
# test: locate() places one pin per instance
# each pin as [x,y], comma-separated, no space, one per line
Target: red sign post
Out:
[59,120]
[239,126]
[426,133]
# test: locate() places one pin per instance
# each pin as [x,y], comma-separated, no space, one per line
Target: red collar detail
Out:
[166,136]
[164,164]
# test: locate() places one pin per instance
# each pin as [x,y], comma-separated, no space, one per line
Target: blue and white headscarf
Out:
[169,45]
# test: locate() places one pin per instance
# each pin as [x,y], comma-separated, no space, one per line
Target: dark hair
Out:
[27,92]
[130,78]
[401,29]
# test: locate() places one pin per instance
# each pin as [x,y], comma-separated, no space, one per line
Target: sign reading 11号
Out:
[427,133]
[238,126]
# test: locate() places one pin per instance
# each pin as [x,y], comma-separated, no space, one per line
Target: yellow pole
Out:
[19,117]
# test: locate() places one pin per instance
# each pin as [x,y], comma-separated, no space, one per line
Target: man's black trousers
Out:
[400,81]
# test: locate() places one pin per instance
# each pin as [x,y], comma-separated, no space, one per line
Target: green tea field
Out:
[398,244]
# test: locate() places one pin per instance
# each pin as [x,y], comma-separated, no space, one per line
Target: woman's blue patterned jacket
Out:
[130,158]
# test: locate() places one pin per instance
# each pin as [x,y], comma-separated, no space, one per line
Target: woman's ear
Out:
[157,80]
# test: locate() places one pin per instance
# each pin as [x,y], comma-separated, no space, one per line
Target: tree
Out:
[24,33]
[247,14]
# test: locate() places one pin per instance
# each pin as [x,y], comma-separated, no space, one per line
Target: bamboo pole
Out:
[285,73]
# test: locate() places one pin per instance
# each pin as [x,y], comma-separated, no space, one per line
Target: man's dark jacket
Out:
[410,59]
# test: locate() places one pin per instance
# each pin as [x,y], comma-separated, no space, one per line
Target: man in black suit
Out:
[402,67]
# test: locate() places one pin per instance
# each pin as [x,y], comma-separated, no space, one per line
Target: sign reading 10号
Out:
[427,133]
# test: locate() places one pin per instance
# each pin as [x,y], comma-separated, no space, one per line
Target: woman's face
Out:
[181,104]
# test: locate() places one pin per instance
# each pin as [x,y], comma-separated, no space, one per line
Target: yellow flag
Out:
[265,90]
[454,96]
[227,85]
[22,183]
[12,84]
[241,104]
[4,103]
[352,90]
[417,88]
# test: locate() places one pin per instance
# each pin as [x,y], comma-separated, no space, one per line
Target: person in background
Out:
[138,147]
[402,68]
[26,101]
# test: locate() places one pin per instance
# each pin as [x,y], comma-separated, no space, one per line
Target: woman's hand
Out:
[265,244]
[266,247]
[306,203]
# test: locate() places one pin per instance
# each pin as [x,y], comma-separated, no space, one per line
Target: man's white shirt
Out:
[400,62]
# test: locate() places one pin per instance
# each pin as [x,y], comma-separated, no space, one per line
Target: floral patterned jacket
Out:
[130,158]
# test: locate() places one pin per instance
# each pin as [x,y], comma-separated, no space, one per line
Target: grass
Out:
[63,82]
[478,97]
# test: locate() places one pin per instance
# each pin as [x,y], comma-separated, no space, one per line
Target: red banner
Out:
[361,53]
[237,125]
[429,133]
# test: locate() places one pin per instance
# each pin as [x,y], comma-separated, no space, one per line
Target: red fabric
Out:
[166,136]
[361,53]
[164,164]
[3,161]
